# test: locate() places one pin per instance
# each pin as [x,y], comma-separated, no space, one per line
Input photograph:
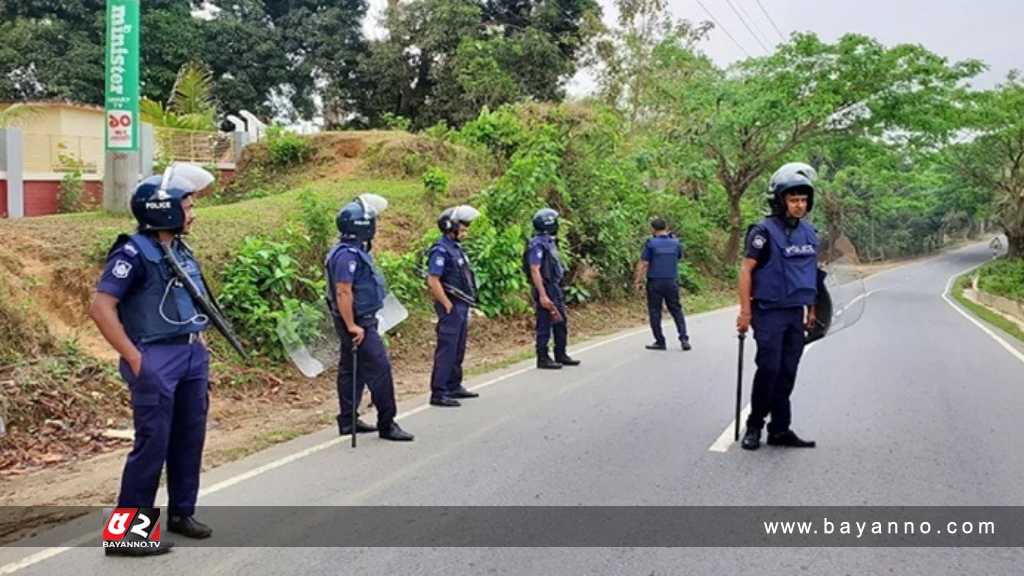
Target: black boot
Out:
[189,527]
[751,439]
[444,401]
[345,426]
[789,439]
[686,345]
[656,346]
[565,360]
[395,433]
[463,393]
[544,362]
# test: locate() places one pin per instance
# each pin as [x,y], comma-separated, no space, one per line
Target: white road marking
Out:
[725,439]
[945,296]
[48,553]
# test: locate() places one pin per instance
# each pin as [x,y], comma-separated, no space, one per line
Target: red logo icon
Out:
[132,528]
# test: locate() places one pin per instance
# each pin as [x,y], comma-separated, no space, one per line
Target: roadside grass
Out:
[983,312]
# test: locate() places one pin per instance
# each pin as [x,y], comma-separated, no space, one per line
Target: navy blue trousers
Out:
[452,330]
[374,372]
[779,335]
[665,290]
[170,400]
[546,327]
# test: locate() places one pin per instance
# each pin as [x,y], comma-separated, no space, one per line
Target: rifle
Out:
[207,305]
[459,295]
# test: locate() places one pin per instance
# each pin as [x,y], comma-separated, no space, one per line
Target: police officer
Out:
[355,292]
[146,314]
[453,287]
[659,262]
[778,282]
[546,273]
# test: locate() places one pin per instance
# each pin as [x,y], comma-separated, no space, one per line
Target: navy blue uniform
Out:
[784,282]
[543,252]
[348,263]
[448,262]
[169,396]
[662,254]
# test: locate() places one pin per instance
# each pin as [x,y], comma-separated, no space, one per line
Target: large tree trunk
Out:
[1014,245]
[731,255]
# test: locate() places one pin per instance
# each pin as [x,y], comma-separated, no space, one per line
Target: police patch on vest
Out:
[804,249]
[121,269]
[352,266]
[439,261]
[758,242]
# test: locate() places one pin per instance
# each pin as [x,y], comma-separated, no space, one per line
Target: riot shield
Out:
[310,339]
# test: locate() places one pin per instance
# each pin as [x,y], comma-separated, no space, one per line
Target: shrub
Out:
[287,148]
[263,287]
[435,183]
[396,122]
[71,194]
[1003,277]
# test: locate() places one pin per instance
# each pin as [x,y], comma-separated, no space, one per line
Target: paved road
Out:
[914,405]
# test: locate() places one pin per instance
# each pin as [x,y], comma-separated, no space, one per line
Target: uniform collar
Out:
[449,242]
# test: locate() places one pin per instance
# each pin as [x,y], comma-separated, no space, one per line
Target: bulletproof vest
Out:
[789,278]
[457,272]
[551,265]
[140,311]
[664,262]
[368,287]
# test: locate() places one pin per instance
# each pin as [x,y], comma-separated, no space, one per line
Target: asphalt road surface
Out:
[915,405]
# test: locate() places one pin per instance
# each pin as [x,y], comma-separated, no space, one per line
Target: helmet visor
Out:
[373,204]
[187,177]
[795,170]
[464,213]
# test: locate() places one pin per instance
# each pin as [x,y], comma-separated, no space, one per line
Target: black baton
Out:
[739,386]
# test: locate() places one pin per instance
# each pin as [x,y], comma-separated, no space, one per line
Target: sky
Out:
[983,29]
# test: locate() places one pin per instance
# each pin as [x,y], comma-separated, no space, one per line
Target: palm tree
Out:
[191,105]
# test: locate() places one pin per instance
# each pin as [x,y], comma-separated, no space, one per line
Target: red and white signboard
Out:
[119,129]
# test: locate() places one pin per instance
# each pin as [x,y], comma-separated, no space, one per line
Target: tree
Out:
[751,118]
[447,59]
[991,163]
[273,58]
[626,55]
[54,50]
[191,105]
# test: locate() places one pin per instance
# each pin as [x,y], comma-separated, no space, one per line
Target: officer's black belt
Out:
[180,340]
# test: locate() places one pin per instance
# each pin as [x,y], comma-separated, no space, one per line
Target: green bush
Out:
[287,148]
[318,224]
[496,254]
[439,131]
[71,195]
[500,132]
[402,275]
[264,287]
[1003,277]
[396,122]
[435,183]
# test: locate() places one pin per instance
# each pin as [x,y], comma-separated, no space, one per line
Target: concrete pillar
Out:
[147,148]
[120,176]
[12,164]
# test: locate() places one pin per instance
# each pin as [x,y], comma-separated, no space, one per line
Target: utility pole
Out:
[121,104]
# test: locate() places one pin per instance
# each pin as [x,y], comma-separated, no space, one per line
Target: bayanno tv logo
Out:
[132,528]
